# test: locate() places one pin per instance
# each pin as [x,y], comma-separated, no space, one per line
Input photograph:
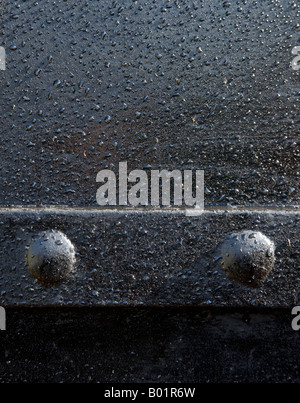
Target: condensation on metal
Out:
[148,259]
[173,85]
[248,257]
[50,256]
[159,84]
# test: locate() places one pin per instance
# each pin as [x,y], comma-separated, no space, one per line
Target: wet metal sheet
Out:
[151,259]
[163,84]
[183,85]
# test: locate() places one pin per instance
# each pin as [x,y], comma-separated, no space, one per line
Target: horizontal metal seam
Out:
[211,210]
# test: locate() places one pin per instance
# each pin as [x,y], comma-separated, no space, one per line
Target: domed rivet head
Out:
[50,256]
[248,257]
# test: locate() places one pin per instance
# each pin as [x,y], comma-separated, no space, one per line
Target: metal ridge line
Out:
[128,210]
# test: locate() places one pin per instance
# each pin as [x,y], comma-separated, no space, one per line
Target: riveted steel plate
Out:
[152,259]
[161,85]
[167,84]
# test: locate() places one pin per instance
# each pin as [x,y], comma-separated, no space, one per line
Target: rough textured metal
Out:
[248,257]
[148,258]
[50,256]
[161,84]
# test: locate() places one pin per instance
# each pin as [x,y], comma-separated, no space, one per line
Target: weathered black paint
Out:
[160,84]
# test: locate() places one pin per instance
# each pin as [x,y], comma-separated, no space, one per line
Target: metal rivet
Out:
[248,257]
[50,256]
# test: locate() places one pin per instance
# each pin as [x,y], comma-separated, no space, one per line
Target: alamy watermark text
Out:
[2,58]
[165,186]
[296,61]
[2,318]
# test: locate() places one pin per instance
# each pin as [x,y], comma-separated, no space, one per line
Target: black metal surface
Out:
[160,84]
[164,84]
[122,345]
[149,259]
